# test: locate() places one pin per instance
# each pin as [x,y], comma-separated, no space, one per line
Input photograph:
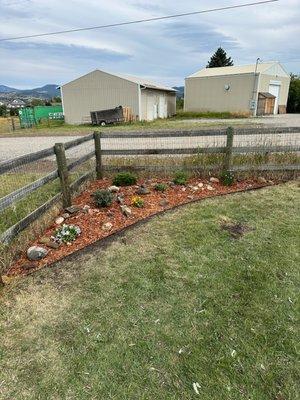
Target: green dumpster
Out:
[31,116]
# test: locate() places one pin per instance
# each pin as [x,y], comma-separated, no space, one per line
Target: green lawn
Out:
[177,301]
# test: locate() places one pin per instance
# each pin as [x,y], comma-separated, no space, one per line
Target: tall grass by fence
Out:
[203,151]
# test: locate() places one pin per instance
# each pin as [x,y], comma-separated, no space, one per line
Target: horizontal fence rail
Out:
[13,231]
[24,191]
[10,199]
[200,133]
[6,166]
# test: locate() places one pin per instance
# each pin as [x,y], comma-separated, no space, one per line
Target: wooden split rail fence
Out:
[68,188]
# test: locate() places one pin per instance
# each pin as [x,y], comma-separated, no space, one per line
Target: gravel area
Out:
[11,147]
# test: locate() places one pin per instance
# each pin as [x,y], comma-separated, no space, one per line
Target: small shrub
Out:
[103,198]
[227,178]
[180,178]
[66,233]
[137,202]
[161,187]
[124,179]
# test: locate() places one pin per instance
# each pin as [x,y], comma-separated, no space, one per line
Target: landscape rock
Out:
[142,190]
[35,253]
[120,199]
[209,187]
[200,184]
[113,189]
[126,210]
[214,180]
[183,189]
[72,209]
[86,208]
[190,197]
[107,226]
[66,215]
[53,245]
[194,188]
[261,179]
[163,203]
[59,220]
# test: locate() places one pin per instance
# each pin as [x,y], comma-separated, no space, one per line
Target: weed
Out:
[161,187]
[180,178]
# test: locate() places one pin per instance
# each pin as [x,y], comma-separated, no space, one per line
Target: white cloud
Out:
[164,50]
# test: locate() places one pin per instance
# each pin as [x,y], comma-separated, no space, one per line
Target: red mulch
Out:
[91,223]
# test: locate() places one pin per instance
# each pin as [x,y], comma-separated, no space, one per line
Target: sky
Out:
[164,51]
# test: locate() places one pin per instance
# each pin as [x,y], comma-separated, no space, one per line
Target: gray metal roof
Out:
[143,82]
[236,70]
[135,79]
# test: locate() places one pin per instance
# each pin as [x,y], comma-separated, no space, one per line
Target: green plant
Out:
[124,179]
[180,178]
[227,178]
[66,233]
[161,187]
[103,198]
[137,201]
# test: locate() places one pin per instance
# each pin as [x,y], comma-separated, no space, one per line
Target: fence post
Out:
[13,124]
[97,140]
[228,149]
[63,173]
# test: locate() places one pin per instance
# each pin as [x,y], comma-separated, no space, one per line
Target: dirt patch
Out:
[236,229]
[93,220]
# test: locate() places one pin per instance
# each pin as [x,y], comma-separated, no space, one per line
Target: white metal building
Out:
[99,90]
[236,88]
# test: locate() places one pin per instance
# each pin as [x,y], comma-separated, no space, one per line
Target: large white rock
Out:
[107,226]
[59,220]
[126,210]
[113,189]
[214,180]
[35,253]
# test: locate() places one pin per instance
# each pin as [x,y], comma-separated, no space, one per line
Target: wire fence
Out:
[31,184]
[202,151]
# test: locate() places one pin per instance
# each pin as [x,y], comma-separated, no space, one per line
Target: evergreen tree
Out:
[219,59]
[293,104]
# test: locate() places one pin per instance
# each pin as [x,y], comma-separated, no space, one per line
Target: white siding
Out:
[157,104]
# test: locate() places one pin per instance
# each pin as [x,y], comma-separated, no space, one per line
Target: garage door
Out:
[275,90]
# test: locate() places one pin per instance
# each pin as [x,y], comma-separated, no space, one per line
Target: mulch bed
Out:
[91,222]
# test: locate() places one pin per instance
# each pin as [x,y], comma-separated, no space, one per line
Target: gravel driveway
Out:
[17,146]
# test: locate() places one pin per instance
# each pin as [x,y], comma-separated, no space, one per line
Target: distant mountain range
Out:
[49,91]
[180,91]
[44,92]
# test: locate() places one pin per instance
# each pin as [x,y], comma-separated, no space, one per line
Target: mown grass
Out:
[174,302]
[58,128]
[181,114]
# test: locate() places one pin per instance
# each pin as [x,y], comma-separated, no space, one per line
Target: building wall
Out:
[97,91]
[265,81]
[157,104]
[209,94]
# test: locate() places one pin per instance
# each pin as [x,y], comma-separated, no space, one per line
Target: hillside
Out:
[45,92]
[180,91]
